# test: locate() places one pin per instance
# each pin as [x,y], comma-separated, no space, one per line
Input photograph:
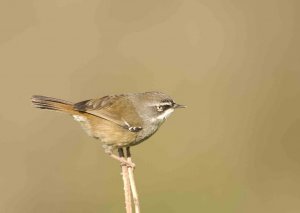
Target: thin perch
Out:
[132,183]
[127,194]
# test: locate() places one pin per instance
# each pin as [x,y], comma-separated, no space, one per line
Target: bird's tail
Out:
[55,104]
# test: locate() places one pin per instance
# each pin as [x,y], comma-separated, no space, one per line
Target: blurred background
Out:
[234,63]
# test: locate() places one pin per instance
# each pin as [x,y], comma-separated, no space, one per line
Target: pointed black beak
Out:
[179,106]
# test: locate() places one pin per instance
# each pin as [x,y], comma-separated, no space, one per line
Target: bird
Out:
[118,121]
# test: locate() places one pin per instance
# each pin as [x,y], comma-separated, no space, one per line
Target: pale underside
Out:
[115,135]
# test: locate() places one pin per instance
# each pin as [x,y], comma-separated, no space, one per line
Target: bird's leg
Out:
[128,155]
[109,150]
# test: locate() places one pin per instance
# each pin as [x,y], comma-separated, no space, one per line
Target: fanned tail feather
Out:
[49,103]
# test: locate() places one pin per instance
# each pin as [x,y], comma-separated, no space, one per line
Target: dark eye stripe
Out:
[164,105]
[162,108]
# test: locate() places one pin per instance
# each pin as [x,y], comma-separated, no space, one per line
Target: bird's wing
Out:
[117,109]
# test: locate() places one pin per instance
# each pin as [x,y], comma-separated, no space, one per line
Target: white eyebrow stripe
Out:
[161,104]
[165,104]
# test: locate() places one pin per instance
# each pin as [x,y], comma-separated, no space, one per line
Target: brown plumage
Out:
[96,116]
[44,102]
[117,120]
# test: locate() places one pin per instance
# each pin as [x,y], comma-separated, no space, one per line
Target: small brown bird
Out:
[119,120]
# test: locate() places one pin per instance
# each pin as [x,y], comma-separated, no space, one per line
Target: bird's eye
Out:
[160,108]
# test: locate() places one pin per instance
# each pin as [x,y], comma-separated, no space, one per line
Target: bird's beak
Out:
[179,106]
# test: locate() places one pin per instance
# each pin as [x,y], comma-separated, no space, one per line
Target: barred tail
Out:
[44,102]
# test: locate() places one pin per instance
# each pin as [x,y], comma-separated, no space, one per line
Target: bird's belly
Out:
[112,134]
[106,131]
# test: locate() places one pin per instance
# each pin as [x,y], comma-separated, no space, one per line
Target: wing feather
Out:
[118,109]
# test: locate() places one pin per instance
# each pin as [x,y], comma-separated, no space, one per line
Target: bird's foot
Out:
[122,160]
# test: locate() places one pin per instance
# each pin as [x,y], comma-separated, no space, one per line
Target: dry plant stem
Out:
[132,183]
[126,183]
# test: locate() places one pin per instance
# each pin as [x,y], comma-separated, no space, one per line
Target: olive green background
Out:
[234,63]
